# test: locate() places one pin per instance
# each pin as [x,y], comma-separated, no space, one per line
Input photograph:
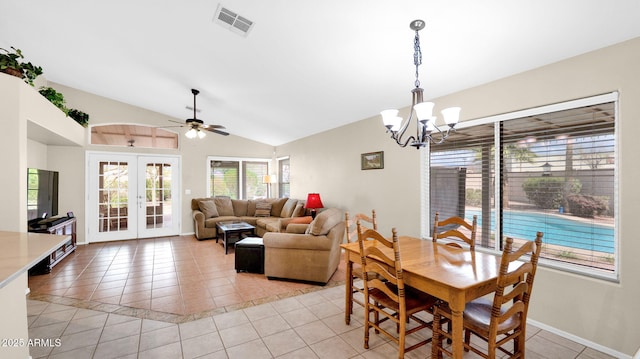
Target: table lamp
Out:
[313,202]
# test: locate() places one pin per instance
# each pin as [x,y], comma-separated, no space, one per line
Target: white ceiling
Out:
[306,66]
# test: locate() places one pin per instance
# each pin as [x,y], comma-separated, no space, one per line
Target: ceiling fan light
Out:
[191,133]
[201,134]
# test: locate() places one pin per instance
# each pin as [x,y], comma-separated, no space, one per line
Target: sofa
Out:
[267,215]
[306,252]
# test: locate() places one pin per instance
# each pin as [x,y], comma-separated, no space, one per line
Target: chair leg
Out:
[467,339]
[366,326]
[401,335]
[436,341]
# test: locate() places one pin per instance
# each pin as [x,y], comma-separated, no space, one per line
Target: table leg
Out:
[457,331]
[348,305]
[225,242]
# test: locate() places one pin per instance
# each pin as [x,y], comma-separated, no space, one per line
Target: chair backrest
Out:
[351,228]
[515,284]
[384,269]
[451,226]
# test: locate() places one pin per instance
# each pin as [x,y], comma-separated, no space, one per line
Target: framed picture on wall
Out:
[372,160]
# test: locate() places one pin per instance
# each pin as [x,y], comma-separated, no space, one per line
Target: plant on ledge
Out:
[11,63]
[54,97]
[79,116]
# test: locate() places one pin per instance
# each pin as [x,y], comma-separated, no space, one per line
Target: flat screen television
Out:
[42,193]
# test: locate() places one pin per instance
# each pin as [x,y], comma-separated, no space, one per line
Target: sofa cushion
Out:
[299,211]
[276,206]
[224,206]
[263,209]
[289,206]
[240,207]
[324,221]
[208,208]
[251,207]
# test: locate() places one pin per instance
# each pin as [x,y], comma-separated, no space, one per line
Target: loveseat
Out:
[306,252]
[267,215]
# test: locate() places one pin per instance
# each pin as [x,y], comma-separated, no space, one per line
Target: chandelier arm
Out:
[399,140]
[443,135]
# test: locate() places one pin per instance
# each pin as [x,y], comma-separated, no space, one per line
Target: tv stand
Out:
[60,226]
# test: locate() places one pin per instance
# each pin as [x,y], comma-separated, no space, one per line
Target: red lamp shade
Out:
[314,201]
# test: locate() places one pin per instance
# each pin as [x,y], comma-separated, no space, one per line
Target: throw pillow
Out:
[299,210]
[276,205]
[263,209]
[287,209]
[301,220]
[208,208]
[224,206]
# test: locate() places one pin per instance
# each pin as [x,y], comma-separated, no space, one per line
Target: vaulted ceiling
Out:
[304,66]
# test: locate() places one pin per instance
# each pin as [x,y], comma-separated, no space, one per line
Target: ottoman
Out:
[250,255]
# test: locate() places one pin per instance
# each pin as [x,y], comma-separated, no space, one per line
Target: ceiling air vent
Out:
[232,21]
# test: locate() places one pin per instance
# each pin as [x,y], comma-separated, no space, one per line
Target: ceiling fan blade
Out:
[223,133]
[213,126]
[181,122]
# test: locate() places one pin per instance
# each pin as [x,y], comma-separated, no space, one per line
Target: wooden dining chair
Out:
[451,227]
[366,222]
[385,294]
[504,318]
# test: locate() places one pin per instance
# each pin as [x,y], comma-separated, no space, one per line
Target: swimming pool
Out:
[557,229]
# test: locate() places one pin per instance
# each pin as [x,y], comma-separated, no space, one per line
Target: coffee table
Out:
[233,228]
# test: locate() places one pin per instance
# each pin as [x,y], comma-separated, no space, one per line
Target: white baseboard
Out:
[585,342]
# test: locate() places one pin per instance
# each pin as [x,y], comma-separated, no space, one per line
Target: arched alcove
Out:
[126,135]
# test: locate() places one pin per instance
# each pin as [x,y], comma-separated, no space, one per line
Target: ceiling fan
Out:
[197,126]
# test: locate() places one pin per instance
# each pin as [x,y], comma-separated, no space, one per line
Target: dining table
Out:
[454,275]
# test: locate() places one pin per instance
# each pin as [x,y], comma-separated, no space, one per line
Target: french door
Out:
[132,196]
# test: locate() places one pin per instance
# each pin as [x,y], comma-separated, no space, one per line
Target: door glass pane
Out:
[113,187]
[158,195]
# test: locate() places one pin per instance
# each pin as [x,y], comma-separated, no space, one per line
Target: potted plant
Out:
[79,116]
[54,97]
[11,62]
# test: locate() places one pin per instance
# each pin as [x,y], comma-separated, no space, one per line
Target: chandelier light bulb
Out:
[389,118]
[424,110]
[451,115]
[201,134]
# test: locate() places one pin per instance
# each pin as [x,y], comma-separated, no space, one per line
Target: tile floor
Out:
[95,319]
[171,278]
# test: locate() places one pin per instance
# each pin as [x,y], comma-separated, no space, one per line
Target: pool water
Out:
[557,229]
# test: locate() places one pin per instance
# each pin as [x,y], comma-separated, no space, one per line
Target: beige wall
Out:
[598,311]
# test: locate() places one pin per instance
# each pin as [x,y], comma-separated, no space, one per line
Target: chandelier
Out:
[426,129]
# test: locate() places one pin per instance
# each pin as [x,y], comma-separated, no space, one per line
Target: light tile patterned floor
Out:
[310,325]
[285,320]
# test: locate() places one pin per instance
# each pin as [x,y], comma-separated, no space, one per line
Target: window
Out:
[237,178]
[284,188]
[550,169]
[125,135]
